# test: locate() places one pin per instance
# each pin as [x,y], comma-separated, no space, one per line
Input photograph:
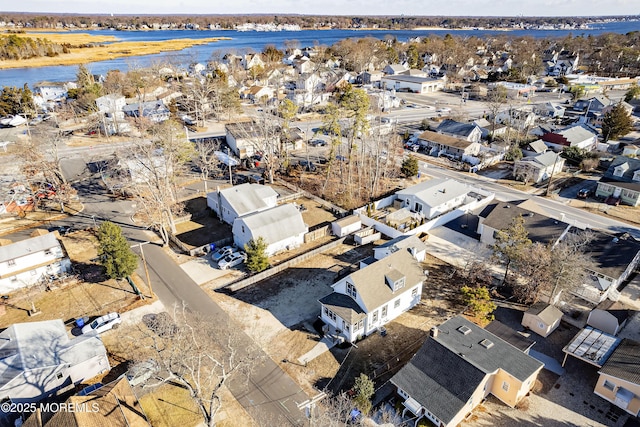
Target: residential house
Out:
[578,135]
[631,150]
[468,131]
[155,111]
[367,299]
[251,60]
[31,261]
[610,321]
[439,144]
[539,167]
[394,69]
[372,77]
[550,109]
[458,366]
[304,65]
[413,244]
[619,377]
[415,73]
[542,318]
[48,91]
[592,105]
[113,404]
[259,94]
[240,200]
[613,258]
[628,108]
[246,138]
[516,90]
[38,359]
[281,227]
[309,89]
[561,62]
[499,215]
[534,148]
[433,197]
[621,181]
[413,84]
[517,118]
[111,105]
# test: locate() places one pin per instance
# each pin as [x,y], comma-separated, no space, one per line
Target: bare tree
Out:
[496,99]
[153,168]
[206,159]
[202,355]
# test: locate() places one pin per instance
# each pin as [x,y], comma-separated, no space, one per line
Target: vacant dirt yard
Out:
[279,315]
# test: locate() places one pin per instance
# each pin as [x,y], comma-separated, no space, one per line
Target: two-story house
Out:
[621,181]
[30,261]
[458,366]
[539,167]
[240,200]
[579,135]
[367,299]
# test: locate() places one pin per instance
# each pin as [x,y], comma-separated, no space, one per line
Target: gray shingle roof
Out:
[541,228]
[344,306]
[456,128]
[28,246]
[248,198]
[446,140]
[447,369]
[632,165]
[611,255]
[624,363]
[371,284]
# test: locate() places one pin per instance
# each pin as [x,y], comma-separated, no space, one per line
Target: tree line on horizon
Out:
[52,20]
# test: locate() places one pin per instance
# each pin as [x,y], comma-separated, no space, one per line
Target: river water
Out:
[255,41]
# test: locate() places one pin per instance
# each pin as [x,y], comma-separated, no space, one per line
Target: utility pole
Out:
[552,172]
[144,263]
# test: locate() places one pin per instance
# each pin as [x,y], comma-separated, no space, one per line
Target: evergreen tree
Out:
[114,252]
[632,93]
[478,302]
[409,166]
[257,259]
[364,390]
[616,122]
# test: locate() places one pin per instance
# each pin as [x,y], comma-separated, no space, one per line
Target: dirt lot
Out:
[279,314]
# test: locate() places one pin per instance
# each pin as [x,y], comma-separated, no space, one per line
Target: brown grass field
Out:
[99,52]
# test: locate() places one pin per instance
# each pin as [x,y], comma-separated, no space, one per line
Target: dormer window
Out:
[636,175]
[620,169]
[351,290]
[395,280]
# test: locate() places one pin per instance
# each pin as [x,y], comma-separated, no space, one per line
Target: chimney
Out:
[434,332]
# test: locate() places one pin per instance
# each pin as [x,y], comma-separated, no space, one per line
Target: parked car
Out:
[308,165]
[61,229]
[317,143]
[232,260]
[443,110]
[222,252]
[256,179]
[140,372]
[103,323]
[584,193]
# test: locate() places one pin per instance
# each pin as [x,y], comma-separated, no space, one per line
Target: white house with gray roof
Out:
[369,298]
[30,261]
[539,167]
[458,366]
[240,200]
[580,136]
[433,197]
[282,228]
[413,244]
[38,359]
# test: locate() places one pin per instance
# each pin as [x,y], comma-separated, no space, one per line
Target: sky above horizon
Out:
[338,7]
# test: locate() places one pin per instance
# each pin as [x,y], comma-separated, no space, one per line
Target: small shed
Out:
[542,318]
[347,225]
[609,321]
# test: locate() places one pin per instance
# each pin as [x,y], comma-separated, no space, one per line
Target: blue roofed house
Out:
[240,200]
[467,131]
[621,181]
[458,366]
[282,228]
[38,359]
[367,299]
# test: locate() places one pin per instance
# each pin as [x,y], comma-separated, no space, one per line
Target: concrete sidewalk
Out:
[323,346]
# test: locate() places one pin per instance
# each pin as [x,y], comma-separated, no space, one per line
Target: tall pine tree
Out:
[114,252]
[617,122]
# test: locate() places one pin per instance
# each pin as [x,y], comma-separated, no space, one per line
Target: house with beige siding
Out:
[619,377]
[542,318]
[458,366]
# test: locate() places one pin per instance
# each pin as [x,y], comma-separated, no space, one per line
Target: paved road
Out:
[270,394]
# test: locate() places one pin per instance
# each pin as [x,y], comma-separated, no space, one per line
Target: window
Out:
[59,375]
[505,386]
[47,251]
[398,284]
[414,292]
[396,303]
[351,290]
[384,311]
[609,385]
[11,262]
[374,317]
[360,325]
